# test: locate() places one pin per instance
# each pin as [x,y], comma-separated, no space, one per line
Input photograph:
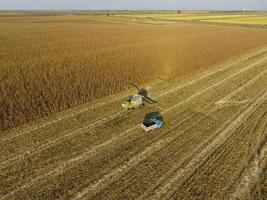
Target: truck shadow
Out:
[151,115]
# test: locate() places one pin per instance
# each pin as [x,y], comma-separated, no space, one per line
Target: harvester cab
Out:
[133,102]
[152,121]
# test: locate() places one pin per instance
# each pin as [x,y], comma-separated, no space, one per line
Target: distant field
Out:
[236,18]
[51,63]
[245,20]
[189,16]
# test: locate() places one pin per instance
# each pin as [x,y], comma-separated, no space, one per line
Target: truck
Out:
[152,121]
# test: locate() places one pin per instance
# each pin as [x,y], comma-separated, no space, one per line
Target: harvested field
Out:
[213,144]
[51,63]
[256,19]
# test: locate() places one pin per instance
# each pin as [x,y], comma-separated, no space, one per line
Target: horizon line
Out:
[71,10]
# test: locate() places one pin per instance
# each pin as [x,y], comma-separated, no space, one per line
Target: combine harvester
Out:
[139,100]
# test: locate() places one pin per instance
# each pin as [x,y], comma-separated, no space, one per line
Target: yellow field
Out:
[246,20]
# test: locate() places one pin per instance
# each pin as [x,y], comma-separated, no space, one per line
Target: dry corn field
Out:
[51,63]
[210,83]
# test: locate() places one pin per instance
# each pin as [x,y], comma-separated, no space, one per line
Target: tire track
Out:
[221,138]
[104,120]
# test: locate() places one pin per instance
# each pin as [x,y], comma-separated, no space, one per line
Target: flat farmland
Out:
[51,63]
[213,144]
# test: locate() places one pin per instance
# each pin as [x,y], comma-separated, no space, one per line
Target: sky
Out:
[132,4]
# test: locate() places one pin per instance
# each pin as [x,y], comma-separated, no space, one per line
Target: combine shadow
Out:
[143,92]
